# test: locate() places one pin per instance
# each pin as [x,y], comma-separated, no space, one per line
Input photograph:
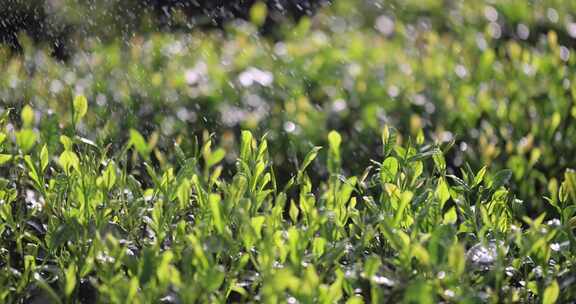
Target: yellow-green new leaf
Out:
[139,143]
[27,116]
[551,293]
[26,139]
[4,158]
[215,157]
[80,108]
[109,176]
[68,160]
[258,13]
[214,201]
[388,170]
[70,280]
[44,158]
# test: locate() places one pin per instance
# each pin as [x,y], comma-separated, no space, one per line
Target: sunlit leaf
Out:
[139,143]
[258,13]
[26,139]
[4,158]
[27,116]
[68,160]
[551,293]
[388,170]
[44,158]
[70,280]
[80,107]
[501,178]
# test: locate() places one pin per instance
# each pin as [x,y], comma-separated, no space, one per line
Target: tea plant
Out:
[495,77]
[81,222]
[381,151]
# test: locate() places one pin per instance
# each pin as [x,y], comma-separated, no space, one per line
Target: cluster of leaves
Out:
[82,222]
[506,98]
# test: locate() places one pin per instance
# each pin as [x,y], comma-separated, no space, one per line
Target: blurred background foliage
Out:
[493,77]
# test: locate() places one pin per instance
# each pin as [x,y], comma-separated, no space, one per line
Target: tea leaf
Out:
[258,13]
[551,293]
[68,160]
[80,108]
[44,158]
[4,158]
[26,139]
[70,280]
[388,170]
[139,143]
[27,116]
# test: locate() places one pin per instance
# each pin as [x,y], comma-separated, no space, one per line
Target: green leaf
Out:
[439,161]
[5,116]
[68,160]
[294,211]
[405,199]
[501,178]
[388,170]
[570,183]
[442,191]
[256,223]
[27,116]
[310,156]
[334,141]
[388,140]
[109,175]
[215,157]
[139,143]
[318,246]
[66,142]
[457,259]
[4,158]
[26,139]
[80,108]
[213,279]
[44,158]
[421,254]
[214,201]
[551,293]
[479,176]
[258,13]
[70,280]
[32,172]
[450,217]
[419,291]
[246,145]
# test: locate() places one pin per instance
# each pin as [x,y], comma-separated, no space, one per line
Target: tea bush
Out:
[507,103]
[82,222]
[403,151]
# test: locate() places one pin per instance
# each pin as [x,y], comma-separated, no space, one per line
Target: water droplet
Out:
[385,25]
[339,105]
[254,75]
[571,28]
[289,127]
[552,15]
[523,31]
[482,255]
[382,280]
[461,71]
[491,13]
[564,53]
